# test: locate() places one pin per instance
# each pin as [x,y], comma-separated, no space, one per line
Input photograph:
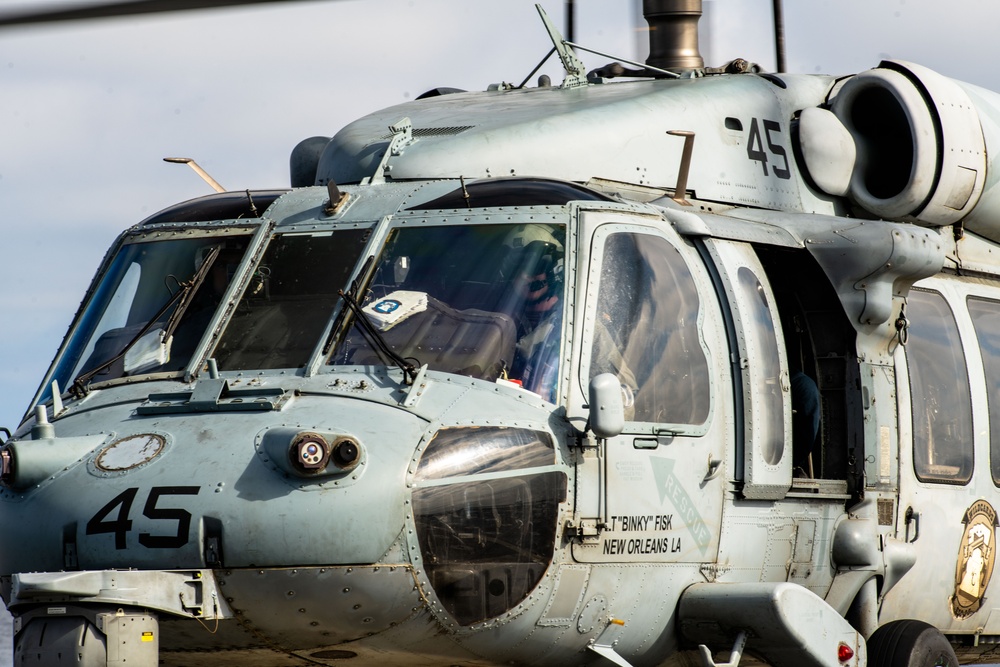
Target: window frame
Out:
[598,242]
[918,398]
[992,404]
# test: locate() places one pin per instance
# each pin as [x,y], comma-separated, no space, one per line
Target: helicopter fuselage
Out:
[455,412]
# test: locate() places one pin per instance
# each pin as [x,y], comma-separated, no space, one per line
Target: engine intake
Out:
[921,150]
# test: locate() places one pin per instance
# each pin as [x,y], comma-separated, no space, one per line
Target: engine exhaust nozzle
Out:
[673,33]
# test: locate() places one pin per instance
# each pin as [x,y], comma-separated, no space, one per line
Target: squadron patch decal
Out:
[976,556]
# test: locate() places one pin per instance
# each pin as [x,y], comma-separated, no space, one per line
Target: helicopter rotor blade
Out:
[116,9]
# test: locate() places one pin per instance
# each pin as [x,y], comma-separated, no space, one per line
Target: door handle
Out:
[911,517]
[714,469]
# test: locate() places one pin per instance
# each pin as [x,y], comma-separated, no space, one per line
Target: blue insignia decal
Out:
[387,306]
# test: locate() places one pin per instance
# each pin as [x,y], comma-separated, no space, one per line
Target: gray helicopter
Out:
[472,392]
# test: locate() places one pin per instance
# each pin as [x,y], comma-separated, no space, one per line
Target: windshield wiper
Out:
[376,339]
[353,292]
[371,334]
[182,298]
[189,289]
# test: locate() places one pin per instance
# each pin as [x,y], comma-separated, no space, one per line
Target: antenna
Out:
[198,170]
[337,198]
[576,72]
[680,191]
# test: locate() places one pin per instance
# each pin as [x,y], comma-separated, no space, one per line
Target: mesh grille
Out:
[432,132]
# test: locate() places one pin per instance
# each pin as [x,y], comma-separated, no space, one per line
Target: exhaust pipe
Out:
[673,33]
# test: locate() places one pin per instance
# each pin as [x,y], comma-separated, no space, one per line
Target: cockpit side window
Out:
[149,309]
[939,391]
[646,331]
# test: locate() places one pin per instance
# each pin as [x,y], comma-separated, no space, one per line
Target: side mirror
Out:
[607,408]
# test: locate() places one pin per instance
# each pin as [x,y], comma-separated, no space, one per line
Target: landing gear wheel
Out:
[910,643]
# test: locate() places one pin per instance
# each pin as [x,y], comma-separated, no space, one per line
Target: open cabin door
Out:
[764,453]
[650,316]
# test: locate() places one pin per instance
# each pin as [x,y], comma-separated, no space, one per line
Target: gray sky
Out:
[87,112]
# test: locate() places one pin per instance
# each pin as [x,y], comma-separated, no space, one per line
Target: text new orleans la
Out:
[631,523]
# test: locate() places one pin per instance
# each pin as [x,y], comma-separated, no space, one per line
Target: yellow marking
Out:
[147,636]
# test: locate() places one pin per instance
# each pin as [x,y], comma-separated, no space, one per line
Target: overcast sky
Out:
[87,112]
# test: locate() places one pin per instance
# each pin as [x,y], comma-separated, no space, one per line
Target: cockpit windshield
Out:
[150,308]
[287,304]
[484,301]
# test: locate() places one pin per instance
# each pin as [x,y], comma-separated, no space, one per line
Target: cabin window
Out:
[986,319]
[646,331]
[939,392]
[289,300]
[762,349]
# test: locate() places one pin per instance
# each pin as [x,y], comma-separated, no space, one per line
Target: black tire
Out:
[910,643]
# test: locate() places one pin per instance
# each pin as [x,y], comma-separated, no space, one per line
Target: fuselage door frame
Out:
[765,467]
[655,492]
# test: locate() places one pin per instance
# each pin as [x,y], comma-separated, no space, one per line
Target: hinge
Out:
[402,136]
[582,439]
[587,531]
[70,561]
